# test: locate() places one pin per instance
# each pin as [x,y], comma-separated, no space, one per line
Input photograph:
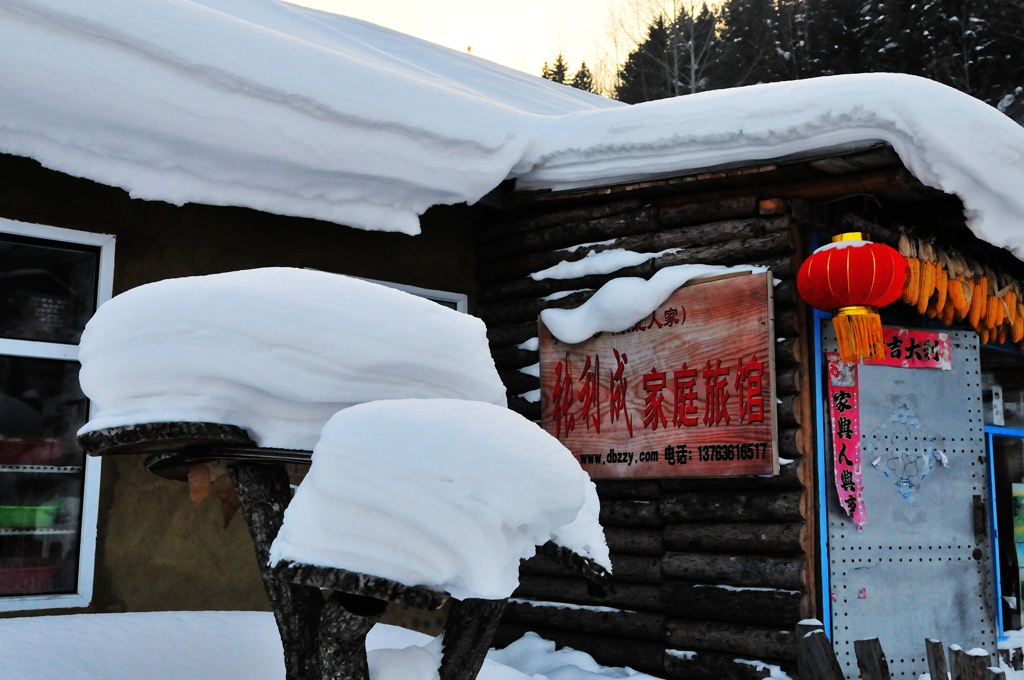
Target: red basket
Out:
[30,452]
[28,578]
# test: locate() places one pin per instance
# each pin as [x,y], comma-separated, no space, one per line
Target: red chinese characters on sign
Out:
[687,391]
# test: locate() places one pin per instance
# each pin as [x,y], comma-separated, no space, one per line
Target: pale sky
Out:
[521,34]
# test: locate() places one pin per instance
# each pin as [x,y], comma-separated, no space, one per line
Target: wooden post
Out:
[468,633]
[936,659]
[993,673]
[819,657]
[979,664]
[802,629]
[345,621]
[958,668]
[871,660]
[1017,659]
[264,492]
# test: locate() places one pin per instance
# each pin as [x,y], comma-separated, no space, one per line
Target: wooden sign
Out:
[687,392]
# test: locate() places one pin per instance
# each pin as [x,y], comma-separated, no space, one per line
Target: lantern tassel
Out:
[859,333]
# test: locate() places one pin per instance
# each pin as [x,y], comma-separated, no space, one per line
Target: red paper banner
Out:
[844,409]
[915,349]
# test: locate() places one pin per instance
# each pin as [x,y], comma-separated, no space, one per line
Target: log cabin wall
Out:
[706,571]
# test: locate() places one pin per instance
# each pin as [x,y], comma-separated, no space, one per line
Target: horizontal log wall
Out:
[706,571]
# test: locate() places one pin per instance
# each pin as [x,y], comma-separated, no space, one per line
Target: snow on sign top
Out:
[293,111]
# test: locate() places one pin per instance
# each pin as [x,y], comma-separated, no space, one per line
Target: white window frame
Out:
[48,350]
[460,300]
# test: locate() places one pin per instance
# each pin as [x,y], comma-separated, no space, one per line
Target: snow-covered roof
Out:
[293,111]
[262,104]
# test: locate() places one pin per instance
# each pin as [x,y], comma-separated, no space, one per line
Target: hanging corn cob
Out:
[1010,298]
[908,249]
[941,283]
[959,289]
[928,268]
[993,307]
[979,303]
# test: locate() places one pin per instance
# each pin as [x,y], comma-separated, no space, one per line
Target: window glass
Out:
[41,482]
[47,289]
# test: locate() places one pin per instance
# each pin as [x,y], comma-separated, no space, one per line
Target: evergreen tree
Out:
[832,31]
[676,58]
[556,72]
[748,46]
[645,75]
[583,80]
[696,48]
[894,36]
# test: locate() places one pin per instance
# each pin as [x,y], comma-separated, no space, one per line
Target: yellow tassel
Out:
[913,283]
[859,333]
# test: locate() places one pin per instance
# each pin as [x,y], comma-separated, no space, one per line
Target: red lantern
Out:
[852,277]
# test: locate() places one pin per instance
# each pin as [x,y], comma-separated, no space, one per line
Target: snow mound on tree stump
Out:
[441,493]
[276,351]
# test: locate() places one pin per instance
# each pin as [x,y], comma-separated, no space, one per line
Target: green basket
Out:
[27,516]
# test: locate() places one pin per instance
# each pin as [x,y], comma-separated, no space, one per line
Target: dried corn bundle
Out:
[928,271]
[948,313]
[941,287]
[993,306]
[1001,335]
[1010,298]
[911,286]
[1018,326]
[960,292]
[979,302]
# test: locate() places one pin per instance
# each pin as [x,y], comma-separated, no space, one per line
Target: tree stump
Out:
[468,633]
[345,621]
[264,492]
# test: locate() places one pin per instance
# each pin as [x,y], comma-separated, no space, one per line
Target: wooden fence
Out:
[817,661]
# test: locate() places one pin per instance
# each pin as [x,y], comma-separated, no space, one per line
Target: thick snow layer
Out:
[262,104]
[946,138]
[277,351]
[441,493]
[597,262]
[241,646]
[294,111]
[622,302]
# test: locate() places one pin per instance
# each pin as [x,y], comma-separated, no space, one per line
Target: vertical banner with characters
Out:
[844,409]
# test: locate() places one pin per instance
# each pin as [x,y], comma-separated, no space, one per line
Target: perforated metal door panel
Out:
[920,568]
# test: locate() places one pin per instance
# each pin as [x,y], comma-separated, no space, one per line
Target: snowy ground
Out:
[243,646]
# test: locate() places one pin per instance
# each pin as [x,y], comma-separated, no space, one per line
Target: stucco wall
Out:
[155,551]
